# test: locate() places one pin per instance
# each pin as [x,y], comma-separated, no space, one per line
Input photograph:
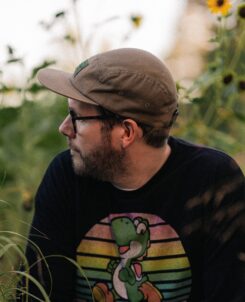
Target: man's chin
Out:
[77,162]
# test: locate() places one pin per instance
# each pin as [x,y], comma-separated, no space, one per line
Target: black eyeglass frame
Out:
[75,118]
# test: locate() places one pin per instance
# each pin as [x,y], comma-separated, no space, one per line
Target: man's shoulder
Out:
[202,155]
[187,148]
[61,163]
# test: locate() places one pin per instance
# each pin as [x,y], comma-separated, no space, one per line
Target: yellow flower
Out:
[219,6]
[136,20]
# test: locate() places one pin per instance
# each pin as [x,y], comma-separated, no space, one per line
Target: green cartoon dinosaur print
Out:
[132,237]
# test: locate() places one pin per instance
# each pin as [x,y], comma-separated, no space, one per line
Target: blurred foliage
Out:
[28,140]
[212,113]
[212,109]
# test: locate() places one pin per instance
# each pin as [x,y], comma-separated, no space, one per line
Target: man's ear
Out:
[131,132]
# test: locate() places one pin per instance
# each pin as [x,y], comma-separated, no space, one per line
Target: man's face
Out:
[92,150]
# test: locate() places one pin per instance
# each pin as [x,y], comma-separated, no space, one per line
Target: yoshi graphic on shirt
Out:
[132,237]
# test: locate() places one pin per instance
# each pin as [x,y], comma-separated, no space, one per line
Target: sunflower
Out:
[241,11]
[241,84]
[219,6]
[228,78]
[136,20]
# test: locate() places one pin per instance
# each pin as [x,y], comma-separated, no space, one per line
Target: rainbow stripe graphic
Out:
[165,263]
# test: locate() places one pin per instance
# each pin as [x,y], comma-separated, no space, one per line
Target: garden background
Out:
[206,59]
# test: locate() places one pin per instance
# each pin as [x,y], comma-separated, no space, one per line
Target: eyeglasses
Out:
[108,116]
[75,118]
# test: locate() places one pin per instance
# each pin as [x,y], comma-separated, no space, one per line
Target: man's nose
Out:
[66,128]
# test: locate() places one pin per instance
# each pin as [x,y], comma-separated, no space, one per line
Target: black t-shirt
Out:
[177,238]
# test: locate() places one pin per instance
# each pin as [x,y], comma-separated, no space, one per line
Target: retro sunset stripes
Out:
[165,264]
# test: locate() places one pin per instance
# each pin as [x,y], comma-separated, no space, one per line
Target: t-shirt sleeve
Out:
[224,274]
[51,237]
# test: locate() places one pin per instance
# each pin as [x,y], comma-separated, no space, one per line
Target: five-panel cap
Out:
[129,82]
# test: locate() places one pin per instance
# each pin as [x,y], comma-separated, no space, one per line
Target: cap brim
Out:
[59,81]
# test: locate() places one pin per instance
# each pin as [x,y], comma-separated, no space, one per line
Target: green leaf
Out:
[35,88]
[10,50]
[5,248]
[240,116]
[45,64]
[70,39]
[60,14]
[15,60]
[38,285]
[3,204]
[6,89]
[198,101]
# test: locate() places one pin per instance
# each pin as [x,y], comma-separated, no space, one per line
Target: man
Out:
[130,213]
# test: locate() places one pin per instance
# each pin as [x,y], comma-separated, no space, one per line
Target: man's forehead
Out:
[81,106]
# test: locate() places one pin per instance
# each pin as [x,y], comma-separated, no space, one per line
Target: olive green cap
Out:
[129,82]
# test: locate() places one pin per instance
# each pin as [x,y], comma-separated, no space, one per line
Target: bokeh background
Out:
[202,43]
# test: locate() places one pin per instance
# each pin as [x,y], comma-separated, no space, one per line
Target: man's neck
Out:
[141,167]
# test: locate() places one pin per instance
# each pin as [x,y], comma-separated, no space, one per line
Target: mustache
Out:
[71,146]
[74,150]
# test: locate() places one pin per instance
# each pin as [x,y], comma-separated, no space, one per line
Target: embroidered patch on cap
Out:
[80,67]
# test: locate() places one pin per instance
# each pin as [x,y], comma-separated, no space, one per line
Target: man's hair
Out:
[152,136]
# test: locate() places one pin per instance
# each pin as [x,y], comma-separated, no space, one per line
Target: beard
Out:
[103,163]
